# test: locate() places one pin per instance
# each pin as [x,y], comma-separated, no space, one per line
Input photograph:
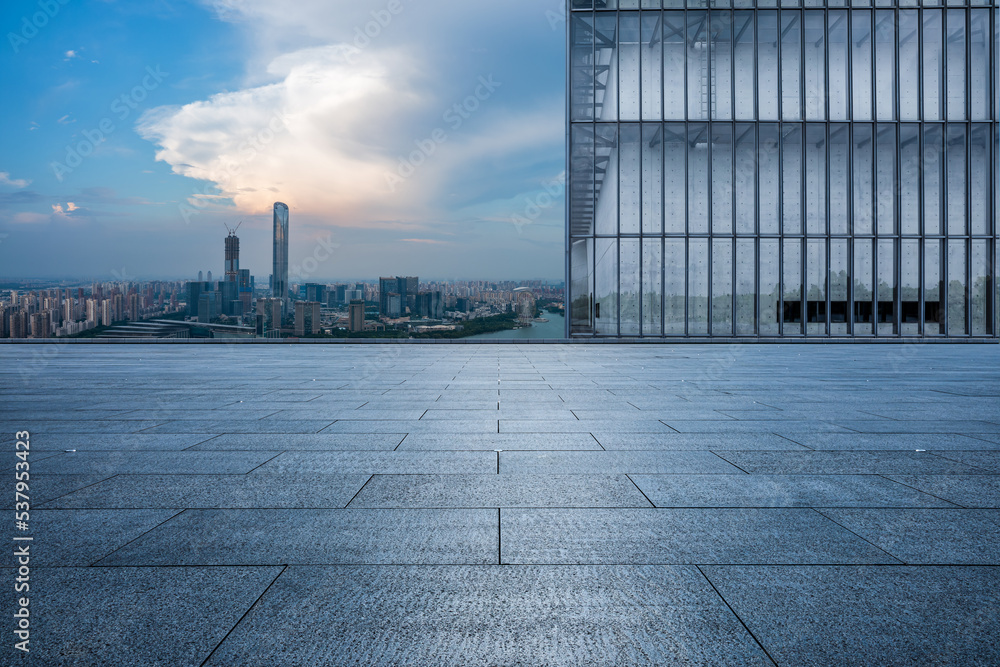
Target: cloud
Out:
[66,120]
[315,136]
[70,55]
[426,241]
[344,128]
[5,179]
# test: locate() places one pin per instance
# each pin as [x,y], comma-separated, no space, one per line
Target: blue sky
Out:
[409,134]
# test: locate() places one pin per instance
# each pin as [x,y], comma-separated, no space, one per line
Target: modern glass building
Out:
[782,168]
[280,256]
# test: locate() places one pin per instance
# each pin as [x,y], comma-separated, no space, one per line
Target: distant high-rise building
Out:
[41,325]
[208,307]
[107,310]
[201,276]
[340,297]
[245,282]
[394,306]
[280,255]
[430,305]
[194,291]
[405,287]
[386,286]
[19,324]
[315,292]
[357,315]
[232,257]
[209,277]
[269,317]
[307,317]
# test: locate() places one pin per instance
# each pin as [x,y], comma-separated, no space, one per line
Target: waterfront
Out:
[554,328]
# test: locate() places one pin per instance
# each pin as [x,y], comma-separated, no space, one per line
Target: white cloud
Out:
[315,137]
[70,207]
[71,54]
[5,179]
[324,117]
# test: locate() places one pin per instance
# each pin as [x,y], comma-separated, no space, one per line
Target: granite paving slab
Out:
[845,463]
[503,441]
[890,441]
[116,441]
[42,488]
[981,460]
[973,491]
[928,536]
[666,462]
[402,491]
[612,440]
[860,616]
[235,425]
[82,537]
[152,463]
[318,537]
[678,536]
[135,617]
[780,491]
[301,441]
[388,463]
[460,616]
[217,492]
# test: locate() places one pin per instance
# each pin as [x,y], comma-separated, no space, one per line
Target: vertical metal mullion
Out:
[827,227]
[968,171]
[567,214]
[593,224]
[921,111]
[710,136]
[756,64]
[802,212]
[687,177]
[732,176]
[802,65]
[943,75]
[849,129]
[618,169]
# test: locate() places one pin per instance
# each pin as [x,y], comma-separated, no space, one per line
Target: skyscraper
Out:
[404,287]
[356,311]
[753,171]
[232,257]
[307,318]
[280,256]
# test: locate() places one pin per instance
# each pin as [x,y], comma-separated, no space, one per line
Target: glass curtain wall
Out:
[792,168]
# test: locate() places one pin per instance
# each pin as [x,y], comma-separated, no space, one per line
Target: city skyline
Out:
[293,91]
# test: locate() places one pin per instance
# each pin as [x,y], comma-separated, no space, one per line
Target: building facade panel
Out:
[809,169]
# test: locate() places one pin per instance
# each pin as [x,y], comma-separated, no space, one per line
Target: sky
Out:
[410,137]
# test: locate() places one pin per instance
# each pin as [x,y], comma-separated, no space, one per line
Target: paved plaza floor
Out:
[506,504]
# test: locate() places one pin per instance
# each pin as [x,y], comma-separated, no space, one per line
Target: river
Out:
[554,328]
